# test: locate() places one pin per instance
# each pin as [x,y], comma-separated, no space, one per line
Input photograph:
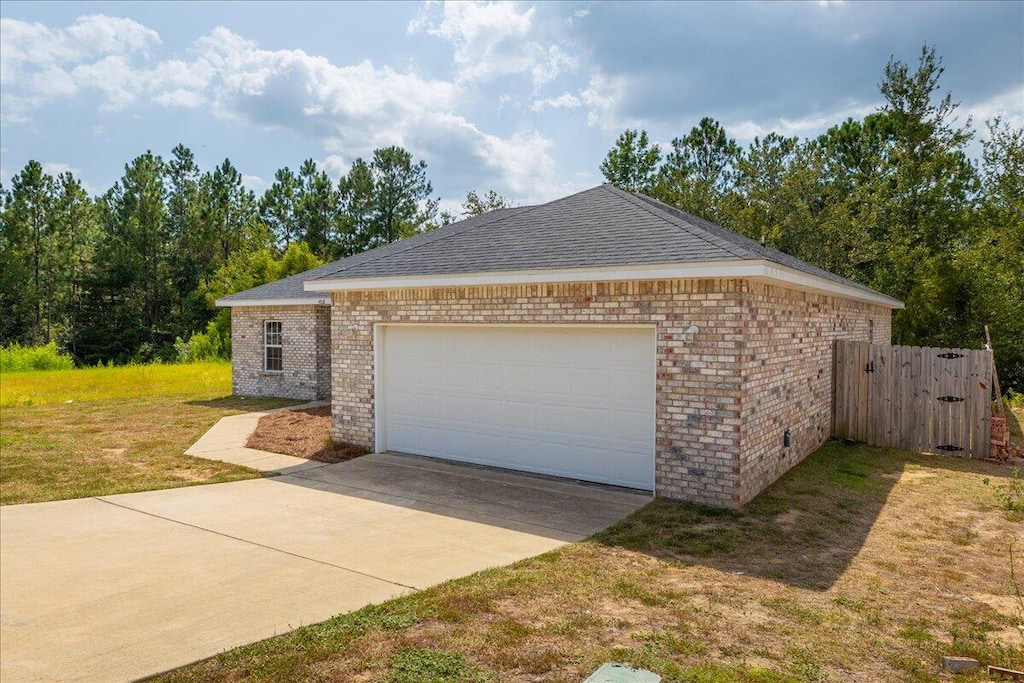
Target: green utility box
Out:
[620,673]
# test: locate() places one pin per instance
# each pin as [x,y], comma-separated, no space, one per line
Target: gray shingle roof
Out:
[602,226]
[291,287]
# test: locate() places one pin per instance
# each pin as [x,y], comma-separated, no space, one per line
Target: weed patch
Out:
[431,666]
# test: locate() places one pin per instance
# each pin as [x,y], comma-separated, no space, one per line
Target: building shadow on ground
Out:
[805,529]
[244,404]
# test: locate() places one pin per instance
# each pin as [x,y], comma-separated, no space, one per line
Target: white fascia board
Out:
[795,279]
[537,276]
[310,301]
[755,270]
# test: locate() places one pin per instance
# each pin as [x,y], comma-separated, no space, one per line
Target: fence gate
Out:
[920,399]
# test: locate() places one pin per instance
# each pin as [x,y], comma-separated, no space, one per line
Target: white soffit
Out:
[760,270]
[308,301]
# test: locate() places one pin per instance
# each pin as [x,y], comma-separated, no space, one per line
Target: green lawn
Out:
[861,564]
[98,431]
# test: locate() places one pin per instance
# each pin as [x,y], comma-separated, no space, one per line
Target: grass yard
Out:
[861,564]
[98,431]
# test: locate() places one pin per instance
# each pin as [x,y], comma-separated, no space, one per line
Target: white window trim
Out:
[267,346]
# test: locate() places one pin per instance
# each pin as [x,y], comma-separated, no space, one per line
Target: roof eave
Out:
[228,302]
[760,270]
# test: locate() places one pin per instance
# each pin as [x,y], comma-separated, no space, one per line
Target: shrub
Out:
[18,358]
[213,344]
[1014,399]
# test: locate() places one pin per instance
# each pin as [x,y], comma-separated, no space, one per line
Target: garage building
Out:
[604,337]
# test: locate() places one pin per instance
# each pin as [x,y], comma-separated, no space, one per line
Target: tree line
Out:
[893,201]
[131,275]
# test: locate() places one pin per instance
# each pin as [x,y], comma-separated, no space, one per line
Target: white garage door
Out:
[567,401]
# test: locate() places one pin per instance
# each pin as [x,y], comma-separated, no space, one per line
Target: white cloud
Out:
[350,109]
[603,96]
[1008,104]
[255,183]
[55,168]
[97,53]
[452,206]
[493,39]
[334,165]
[577,15]
[354,109]
[804,126]
[30,48]
[564,101]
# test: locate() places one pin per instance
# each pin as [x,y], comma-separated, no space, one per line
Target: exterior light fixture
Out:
[690,333]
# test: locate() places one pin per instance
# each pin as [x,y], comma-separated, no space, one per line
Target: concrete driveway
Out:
[119,587]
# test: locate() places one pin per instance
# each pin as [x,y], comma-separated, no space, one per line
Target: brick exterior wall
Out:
[698,395]
[761,363]
[305,351]
[787,375]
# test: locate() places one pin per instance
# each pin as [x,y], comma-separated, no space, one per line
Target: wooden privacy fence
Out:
[920,399]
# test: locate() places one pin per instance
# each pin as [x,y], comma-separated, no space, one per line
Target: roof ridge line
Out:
[437,238]
[451,233]
[698,231]
[525,209]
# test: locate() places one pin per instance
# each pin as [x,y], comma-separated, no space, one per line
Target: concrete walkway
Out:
[119,587]
[226,441]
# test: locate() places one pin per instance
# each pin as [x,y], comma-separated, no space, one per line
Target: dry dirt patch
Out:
[303,434]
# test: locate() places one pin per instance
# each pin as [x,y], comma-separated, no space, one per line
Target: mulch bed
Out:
[303,434]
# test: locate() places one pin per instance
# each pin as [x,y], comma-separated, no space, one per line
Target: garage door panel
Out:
[574,402]
[554,381]
[461,408]
[457,374]
[518,379]
[431,408]
[403,403]
[632,385]
[631,418]
[589,422]
[489,411]
[554,419]
[490,377]
[519,415]
[590,383]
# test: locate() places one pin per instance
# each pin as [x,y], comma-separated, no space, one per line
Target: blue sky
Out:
[524,98]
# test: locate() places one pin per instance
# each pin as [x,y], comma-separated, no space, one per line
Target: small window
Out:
[272,361]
